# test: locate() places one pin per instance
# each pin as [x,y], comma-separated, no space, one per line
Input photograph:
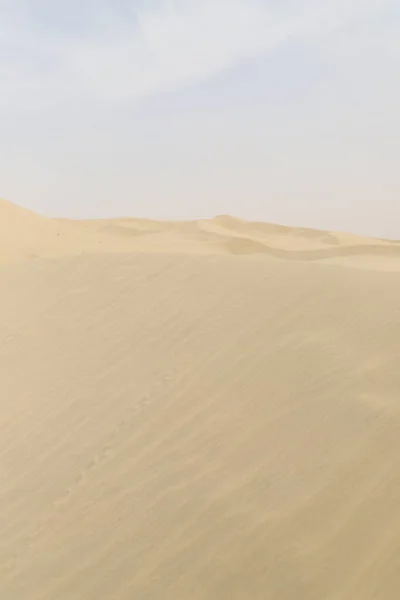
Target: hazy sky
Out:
[279,110]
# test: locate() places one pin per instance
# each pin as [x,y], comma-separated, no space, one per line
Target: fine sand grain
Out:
[197,411]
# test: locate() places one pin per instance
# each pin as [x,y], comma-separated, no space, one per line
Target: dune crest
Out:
[202,410]
[25,234]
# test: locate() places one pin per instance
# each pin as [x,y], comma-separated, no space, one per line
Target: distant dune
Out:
[205,410]
[26,235]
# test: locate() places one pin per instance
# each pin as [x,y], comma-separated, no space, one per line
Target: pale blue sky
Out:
[275,110]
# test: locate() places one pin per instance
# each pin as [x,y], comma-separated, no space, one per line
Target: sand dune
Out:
[26,235]
[204,410]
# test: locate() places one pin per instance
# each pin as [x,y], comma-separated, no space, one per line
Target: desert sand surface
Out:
[197,411]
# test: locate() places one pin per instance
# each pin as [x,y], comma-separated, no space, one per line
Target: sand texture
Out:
[197,411]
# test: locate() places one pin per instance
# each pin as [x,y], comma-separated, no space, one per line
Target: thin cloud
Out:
[138,49]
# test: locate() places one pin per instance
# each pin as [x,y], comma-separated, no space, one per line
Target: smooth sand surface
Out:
[197,411]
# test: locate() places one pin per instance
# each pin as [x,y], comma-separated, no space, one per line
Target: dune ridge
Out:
[24,234]
[205,410]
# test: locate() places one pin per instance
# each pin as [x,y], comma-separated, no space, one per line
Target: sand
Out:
[197,411]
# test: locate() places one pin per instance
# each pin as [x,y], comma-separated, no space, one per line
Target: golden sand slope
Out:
[197,411]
